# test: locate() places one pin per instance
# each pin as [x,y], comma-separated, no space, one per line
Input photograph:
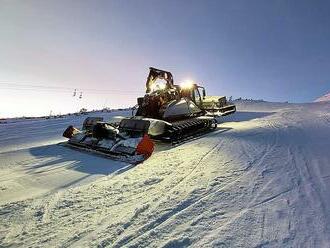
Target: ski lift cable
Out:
[34,86]
[122,93]
[94,91]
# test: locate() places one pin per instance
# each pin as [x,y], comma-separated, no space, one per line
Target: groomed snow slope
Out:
[261,180]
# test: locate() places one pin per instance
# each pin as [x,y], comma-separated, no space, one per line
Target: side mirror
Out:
[204,94]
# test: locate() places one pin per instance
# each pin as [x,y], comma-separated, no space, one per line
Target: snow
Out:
[325,98]
[261,179]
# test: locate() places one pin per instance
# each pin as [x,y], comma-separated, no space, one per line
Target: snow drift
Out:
[325,98]
[261,179]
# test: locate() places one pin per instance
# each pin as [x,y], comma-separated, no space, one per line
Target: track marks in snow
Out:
[260,184]
[201,198]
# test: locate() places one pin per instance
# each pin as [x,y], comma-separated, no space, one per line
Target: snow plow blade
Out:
[127,141]
[135,159]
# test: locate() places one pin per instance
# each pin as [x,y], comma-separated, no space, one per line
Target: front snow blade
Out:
[131,159]
[128,142]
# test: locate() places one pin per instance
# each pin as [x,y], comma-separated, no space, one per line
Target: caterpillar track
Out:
[181,131]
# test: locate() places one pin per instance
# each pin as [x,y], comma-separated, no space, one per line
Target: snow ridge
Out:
[325,98]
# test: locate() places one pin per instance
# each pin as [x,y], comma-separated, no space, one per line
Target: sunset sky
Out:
[272,50]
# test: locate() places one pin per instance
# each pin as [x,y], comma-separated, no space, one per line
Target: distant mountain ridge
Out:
[324,98]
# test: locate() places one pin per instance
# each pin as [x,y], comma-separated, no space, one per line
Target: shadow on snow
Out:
[57,156]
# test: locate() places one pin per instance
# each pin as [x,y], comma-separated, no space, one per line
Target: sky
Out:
[273,50]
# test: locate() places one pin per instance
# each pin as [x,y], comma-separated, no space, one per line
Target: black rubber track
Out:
[183,130]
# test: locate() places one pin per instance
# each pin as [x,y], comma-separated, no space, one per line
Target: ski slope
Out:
[262,179]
